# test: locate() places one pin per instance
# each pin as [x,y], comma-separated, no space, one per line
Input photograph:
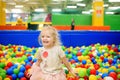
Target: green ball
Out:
[3,71]
[81,79]
[3,75]
[74,52]
[118,76]
[118,70]
[16,71]
[69,56]
[13,55]
[81,73]
[66,71]
[88,71]
[2,65]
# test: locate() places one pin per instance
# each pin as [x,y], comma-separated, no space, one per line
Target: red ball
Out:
[10,77]
[72,61]
[70,78]
[110,61]
[9,64]
[79,54]
[23,78]
[102,58]
[27,67]
[91,55]
[6,67]
[113,75]
[96,66]
[93,72]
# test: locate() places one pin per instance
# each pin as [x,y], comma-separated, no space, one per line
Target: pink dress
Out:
[51,65]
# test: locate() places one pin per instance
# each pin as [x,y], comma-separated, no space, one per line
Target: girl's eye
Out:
[42,36]
[48,36]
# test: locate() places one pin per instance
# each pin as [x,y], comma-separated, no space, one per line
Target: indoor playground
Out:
[92,48]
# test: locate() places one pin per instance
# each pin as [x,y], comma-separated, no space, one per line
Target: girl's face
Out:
[47,39]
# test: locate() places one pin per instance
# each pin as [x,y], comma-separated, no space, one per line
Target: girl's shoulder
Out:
[40,49]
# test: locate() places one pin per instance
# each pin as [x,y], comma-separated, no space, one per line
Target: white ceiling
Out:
[48,5]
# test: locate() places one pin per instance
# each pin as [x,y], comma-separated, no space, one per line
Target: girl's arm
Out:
[65,61]
[38,62]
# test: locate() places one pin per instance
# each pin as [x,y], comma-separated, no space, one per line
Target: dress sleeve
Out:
[61,52]
[38,54]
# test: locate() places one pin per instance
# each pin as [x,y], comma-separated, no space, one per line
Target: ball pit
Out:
[93,62]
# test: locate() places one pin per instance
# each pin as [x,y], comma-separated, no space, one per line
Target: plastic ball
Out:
[22,69]
[14,76]
[108,78]
[81,73]
[0,78]
[20,74]
[27,67]
[83,61]
[3,75]
[70,56]
[9,71]
[29,58]
[23,78]
[96,66]
[10,64]
[93,72]
[113,75]
[104,75]
[7,79]
[10,77]
[2,65]
[16,71]
[92,77]
[118,76]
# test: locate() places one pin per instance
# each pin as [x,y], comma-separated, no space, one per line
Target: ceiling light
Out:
[71,6]
[114,0]
[109,12]
[76,0]
[86,12]
[113,8]
[39,10]
[16,11]
[81,4]
[19,6]
[56,10]
[106,5]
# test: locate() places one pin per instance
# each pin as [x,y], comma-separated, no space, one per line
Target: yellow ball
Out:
[3,60]
[92,77]
[0,78]
[6,79]
[113,67]
[104,70]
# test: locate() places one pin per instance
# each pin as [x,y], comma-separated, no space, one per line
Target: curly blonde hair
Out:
[54,34]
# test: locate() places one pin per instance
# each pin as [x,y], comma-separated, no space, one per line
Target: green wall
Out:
[113,21]
[65,19]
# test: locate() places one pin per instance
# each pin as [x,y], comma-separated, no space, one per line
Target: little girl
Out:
[50,58]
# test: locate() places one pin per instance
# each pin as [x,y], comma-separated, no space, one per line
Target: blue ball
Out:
[20,74]
[10,71]
[104,75]
[29,58]
[14,76]
[22,69]
[83,61]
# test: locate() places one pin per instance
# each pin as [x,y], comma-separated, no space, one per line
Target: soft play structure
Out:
[68,38]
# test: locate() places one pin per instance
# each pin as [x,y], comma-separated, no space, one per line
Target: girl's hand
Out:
[29,75]
[73,73]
